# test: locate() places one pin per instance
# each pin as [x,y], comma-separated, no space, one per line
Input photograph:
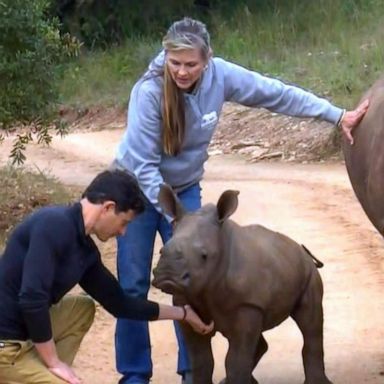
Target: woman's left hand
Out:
[352,118]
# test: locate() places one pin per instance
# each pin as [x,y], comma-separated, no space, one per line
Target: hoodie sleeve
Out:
[255,90]
[140,150]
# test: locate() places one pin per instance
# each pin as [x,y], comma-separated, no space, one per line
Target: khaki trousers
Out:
[20,363]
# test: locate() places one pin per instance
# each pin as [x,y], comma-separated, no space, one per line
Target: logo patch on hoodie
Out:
[209,119]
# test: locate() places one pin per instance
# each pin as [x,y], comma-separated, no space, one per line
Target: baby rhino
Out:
[247,280]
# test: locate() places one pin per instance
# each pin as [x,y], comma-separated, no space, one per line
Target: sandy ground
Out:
[313,204]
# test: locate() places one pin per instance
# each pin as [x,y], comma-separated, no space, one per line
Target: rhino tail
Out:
[317,262]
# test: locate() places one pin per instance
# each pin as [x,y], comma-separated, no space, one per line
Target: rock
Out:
[258,152]
[265,156]
[246,143]
[215,152]
[253,150]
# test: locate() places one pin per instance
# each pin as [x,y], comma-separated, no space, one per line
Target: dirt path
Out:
[311,203]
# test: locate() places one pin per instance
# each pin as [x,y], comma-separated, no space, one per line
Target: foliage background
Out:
[31,49]
[59,55]
[70,55]
[330,47]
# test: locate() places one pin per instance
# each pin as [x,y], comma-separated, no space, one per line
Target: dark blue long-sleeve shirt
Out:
[47,255]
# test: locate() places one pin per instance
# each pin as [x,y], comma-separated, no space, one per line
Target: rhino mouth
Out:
[167,285]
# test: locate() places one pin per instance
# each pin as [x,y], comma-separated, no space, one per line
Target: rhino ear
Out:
[169,202]
[227,204]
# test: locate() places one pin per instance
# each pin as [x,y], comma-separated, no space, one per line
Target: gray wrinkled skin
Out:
[247,280]
[365,158]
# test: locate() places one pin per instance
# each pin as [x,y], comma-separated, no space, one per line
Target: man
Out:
[48,254]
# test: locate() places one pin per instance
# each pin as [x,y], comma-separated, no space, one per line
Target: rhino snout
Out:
[170,282]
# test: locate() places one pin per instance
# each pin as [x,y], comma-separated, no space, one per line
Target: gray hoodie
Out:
[140,149]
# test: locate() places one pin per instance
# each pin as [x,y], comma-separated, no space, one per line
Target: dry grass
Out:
[22,192]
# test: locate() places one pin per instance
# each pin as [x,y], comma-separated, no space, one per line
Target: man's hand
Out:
[64,372]
[47,352]
[196,323]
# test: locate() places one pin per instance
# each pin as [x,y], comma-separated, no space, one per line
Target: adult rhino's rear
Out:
[365,158]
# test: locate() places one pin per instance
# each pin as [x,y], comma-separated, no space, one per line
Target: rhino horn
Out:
[227,204]
[169,202]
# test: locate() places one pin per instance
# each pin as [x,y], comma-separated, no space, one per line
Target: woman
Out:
[173,111]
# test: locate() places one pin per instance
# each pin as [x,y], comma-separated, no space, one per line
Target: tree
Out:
[31,50]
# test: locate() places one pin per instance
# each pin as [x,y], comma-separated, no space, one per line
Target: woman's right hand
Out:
[351,119]
[193,319]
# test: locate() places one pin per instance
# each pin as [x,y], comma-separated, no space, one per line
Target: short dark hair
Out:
[118,186]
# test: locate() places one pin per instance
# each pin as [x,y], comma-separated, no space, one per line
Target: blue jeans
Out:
[134,260]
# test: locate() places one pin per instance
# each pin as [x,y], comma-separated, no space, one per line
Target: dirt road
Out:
[313,204]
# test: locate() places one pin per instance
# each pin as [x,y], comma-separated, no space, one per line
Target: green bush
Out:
[30,50]
[101,23]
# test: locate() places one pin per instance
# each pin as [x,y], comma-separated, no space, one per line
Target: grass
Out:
[22,192]
[331,50]
[330,47]
[106,77]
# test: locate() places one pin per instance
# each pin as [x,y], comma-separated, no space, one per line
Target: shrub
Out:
[30,50]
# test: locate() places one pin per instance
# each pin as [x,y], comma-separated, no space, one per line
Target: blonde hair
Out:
[183,34]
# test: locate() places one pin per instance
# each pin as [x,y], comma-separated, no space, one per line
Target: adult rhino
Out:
[247,280]
[365,158]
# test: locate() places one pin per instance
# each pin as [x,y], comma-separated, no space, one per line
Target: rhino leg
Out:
[262,347]
[309,317]
[246,346]
[200,354]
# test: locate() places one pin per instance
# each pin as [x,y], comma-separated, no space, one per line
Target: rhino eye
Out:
[204,256]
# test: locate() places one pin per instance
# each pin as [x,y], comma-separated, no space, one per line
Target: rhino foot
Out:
[322,381]
[253,381]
